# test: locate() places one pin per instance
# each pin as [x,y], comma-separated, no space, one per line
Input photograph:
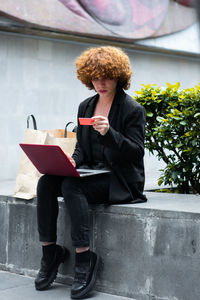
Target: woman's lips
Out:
[102,91]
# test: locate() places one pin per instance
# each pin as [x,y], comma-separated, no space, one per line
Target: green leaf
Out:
[149,114]
[183,123]
[179,145]
[177,118]
[177,85]
[159,119]
[188,150]
[189,133]
[169,85]
[174,175]
[197,115]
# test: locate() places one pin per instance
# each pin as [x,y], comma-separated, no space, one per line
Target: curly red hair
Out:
[104,62]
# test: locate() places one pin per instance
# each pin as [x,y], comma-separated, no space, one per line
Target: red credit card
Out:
[85,121]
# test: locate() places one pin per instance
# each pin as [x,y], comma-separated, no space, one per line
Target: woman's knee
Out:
[46,183]
[43,181]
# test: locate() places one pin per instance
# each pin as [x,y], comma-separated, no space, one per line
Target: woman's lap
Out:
[95,187]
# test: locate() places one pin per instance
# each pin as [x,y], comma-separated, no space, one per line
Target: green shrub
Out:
[173,133]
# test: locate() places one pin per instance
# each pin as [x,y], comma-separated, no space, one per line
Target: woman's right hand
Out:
[100,124]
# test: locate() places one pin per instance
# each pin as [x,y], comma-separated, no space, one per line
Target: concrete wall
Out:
[37,76]
[150,251]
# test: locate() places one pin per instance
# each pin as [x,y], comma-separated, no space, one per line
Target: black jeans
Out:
[77,193]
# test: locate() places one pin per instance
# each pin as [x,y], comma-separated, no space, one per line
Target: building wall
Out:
[185,40]
[37,76]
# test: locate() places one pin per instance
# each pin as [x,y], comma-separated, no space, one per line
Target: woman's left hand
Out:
[100,124]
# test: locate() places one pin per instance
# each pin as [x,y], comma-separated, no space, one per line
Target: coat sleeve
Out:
[78,155]
[130,143]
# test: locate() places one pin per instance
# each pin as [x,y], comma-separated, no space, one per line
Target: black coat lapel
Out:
[90,107]
[115,108]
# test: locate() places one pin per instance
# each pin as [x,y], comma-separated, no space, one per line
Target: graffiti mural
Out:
[112,19]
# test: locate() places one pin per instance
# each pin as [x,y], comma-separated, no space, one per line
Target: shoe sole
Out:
[91,284]
[47,284]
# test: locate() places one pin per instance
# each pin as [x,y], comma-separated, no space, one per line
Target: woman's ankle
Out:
[47,243]
[82,249]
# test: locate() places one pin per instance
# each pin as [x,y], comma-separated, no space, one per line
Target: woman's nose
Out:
[102,81]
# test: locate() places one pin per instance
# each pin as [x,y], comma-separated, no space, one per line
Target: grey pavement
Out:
[18,287]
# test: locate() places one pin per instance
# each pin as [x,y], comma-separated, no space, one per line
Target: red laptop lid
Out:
[49,159]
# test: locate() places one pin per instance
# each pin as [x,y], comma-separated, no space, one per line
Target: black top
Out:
[96,147]
[97,151]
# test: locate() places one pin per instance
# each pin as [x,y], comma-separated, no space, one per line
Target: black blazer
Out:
[123,146]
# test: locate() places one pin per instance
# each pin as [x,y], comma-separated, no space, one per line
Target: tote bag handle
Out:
[33,120]
[74,130]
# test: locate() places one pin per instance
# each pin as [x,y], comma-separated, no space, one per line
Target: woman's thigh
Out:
[95,187]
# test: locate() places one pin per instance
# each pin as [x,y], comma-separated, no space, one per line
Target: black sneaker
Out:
[48,272]
[85,277]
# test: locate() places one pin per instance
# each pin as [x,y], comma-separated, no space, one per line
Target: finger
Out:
[100,122]
[98,117]
[101,125]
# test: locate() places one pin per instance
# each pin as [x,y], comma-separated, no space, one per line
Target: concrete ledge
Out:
[149,250]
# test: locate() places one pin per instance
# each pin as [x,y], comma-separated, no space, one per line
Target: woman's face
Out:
[105,87]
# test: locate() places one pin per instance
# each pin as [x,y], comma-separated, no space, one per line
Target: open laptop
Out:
[50,159]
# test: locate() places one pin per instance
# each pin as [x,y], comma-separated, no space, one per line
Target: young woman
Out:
[115,142]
